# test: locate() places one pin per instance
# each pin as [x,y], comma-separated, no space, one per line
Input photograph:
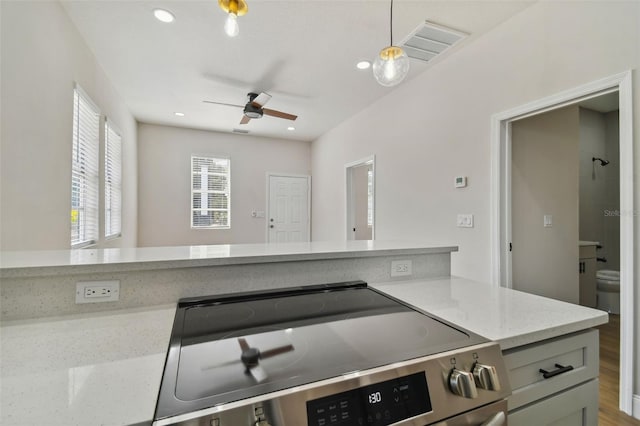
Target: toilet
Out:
[608,291]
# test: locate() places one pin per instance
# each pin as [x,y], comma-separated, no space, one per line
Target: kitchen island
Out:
[105,368]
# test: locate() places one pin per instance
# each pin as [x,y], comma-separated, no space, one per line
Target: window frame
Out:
[86,236]
[114,187]
[227,192]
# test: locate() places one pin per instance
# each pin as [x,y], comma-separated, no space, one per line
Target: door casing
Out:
[349,196]
[501,203]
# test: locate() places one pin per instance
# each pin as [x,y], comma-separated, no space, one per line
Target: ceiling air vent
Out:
[429,40]
[240,131]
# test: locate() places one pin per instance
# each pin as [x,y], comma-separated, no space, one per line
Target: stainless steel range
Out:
[329,355]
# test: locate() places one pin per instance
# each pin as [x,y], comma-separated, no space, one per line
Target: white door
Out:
[288,215]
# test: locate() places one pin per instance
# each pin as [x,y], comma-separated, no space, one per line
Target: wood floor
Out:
[608,414]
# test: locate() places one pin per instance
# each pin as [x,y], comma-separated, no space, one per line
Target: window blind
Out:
[210,192]
[85,169]
[112,182]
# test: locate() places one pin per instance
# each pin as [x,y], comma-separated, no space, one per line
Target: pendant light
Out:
[391,65]
[234,8]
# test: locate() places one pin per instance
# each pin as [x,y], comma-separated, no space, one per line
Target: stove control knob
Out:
[462,383]
[486,377]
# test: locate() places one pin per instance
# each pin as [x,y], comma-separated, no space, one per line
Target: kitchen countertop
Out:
[105,368]
[509,317]
[28,263]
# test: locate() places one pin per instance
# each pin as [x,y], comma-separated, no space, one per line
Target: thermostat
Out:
[461,181]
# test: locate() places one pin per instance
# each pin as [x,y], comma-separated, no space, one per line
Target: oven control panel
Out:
[379,404]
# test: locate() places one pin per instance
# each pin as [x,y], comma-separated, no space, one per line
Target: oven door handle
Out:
[498,419]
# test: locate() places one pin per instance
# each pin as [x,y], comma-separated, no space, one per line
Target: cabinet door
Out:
[588,285]
[575,407]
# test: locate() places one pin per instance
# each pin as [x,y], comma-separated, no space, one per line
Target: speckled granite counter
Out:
[49,262]
[105,368]
[509,317]
[41,284]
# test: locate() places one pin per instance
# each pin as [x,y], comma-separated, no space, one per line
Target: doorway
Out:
[360,203]
[288,208]
[501,214]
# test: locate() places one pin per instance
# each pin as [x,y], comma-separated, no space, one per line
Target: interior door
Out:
[288,218]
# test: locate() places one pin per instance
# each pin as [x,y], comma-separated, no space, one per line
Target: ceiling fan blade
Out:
[243,343]
[261,99]
[222,103]
[276,351]
[279,114]
[258,373]
[244,120]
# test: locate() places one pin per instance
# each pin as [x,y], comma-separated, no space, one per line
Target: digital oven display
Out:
[374,405]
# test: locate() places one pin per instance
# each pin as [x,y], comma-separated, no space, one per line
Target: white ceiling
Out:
[303,52]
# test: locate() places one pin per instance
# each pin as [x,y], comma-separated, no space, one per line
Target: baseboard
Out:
[636,406]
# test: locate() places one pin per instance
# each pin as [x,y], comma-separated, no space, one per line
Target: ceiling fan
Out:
[255,108]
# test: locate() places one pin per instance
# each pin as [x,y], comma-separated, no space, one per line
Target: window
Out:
[210,192]
[370,198]
[84,171]
[112,182]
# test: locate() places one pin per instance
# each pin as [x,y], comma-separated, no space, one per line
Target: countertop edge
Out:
[27,270]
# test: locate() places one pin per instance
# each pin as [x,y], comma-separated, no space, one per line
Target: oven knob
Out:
[462,383]
[486,377]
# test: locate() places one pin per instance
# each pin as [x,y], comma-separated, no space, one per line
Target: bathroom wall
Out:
[600,185]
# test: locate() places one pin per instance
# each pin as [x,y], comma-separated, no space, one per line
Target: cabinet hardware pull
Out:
[560,369]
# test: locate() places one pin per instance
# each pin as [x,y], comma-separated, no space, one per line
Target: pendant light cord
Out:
[391,24]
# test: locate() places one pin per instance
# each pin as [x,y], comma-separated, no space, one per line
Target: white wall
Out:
[165,182]
[545,181]
[42,56]
[437,126]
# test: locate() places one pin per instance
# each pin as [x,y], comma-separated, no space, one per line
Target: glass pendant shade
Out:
[391,66]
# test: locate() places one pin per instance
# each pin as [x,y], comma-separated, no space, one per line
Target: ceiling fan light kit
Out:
[233,8]
[391,65]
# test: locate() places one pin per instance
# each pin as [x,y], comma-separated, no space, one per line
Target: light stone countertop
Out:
[105,368]
[26,263]
[509,317]
[84,370]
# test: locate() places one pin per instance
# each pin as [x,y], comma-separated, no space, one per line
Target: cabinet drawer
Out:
[579,350]
[574,407]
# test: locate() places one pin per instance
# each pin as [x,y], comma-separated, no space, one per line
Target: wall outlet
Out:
[464,221]
[97,291]
[400,268]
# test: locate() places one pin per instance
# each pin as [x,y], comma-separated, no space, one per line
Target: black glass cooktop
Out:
[231,347]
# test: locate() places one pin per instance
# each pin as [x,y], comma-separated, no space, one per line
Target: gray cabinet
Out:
[569,394]
[587,270]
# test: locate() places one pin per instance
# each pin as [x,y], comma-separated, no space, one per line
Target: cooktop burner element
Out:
[234,348]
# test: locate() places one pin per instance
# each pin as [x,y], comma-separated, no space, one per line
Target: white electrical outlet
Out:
[97,291]
[400,268]
[464,221]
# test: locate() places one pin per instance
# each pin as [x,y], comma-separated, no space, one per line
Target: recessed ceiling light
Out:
[179,114]
[291,128]
[163,15]
[363,65]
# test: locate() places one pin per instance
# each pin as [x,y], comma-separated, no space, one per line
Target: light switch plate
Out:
[465,221]
[548,221]
[460,182]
